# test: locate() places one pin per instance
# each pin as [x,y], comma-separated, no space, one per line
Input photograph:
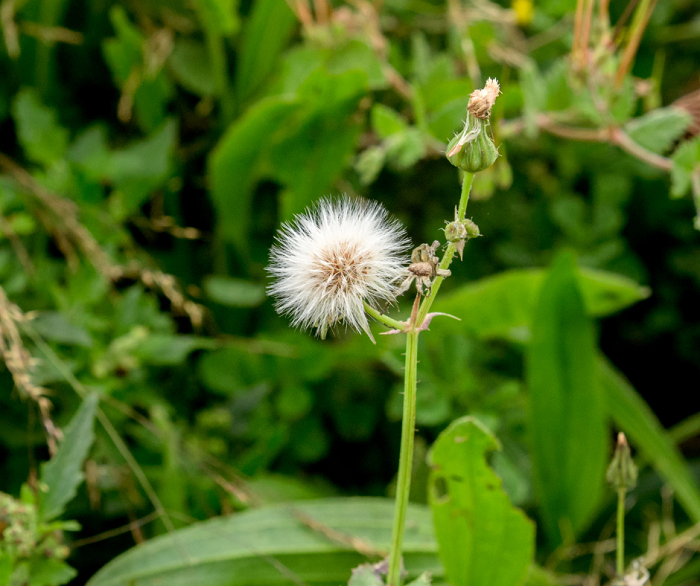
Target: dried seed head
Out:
[332,259]
[481,101]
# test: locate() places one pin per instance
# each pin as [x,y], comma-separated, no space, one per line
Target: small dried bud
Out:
[622,472]
[481,101]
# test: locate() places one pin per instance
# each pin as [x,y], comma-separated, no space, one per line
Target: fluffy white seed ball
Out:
[332,258]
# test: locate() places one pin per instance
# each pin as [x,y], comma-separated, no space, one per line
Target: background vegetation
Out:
[150,150]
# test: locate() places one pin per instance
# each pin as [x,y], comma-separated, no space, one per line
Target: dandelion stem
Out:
[450,252]
[403,483]
[385,319]
[621,531]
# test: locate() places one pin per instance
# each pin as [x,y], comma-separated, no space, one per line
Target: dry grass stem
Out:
[20,364]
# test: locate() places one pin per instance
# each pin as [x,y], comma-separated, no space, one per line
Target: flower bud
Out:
[473,150]
[622,472]
[455,231]
[472,229]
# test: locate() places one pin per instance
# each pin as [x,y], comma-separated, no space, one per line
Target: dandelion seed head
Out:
[332,258]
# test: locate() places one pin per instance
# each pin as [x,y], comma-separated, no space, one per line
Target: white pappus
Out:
[332,258]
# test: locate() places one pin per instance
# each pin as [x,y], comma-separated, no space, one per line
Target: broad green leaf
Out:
[279,544]
[404,149]
[483,539]
[503,305]
[686,162]
[63,473]
[386,121]
[233,165]
[51,325]
[317,147]
[192,67]
[266,33]
[567,413]
[657,130]
[234,292]
[219,16]
[646,434]
[50,572]
[38,131]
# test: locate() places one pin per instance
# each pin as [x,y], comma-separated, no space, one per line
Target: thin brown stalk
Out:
[640,26]
[136,524]
[586,33]
[578,19]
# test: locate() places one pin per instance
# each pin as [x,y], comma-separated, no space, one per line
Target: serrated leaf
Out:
[42,138]
[657,130]
[503,305]
[686,161]
[567,414]
[63,473]
[234,292]
[270,544]
[483,539]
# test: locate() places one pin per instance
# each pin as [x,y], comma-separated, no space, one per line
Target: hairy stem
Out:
[450,252]
[620,566]
[403,483]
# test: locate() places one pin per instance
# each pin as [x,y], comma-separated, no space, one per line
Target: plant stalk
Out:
[450,251]
[403,482]
[620,566]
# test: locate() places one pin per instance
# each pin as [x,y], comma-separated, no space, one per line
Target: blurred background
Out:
[151,148]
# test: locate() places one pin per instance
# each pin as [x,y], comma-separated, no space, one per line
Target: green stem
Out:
[621,531]
[386,320]
[450,252]
[403,482]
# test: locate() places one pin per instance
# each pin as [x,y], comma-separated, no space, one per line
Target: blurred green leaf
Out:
[386,121]
[369,164]
[220,16]
[646,434]
[366,575]
[567,413]
[52,326]
[233,292]
[192,67]
[483,539]
[317,148]
[686,163]
[657,130]
[50,572]
[269,544]
[503,305]
[63,473]
[266,33]
[170,350]
[234,165]
[38,130]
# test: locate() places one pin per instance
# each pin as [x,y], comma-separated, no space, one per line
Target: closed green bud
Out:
[622,472]
[472,150]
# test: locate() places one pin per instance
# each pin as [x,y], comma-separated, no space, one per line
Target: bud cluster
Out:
[21,535]
[459,231]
